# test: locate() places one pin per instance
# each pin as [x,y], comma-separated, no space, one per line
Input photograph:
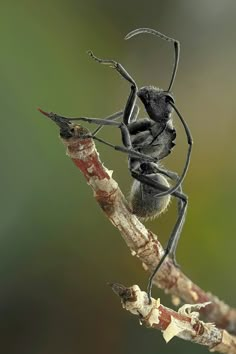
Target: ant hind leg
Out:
[176,231]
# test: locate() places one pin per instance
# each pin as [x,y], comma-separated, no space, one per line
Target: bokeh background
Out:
[57,250]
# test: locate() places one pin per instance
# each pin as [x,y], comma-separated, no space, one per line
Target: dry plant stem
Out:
[142,242]
[184,324]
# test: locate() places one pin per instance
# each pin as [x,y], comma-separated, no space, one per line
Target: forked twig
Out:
[142,242]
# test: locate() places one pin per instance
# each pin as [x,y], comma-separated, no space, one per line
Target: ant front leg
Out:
[127,148]
[116,116]
[129,107]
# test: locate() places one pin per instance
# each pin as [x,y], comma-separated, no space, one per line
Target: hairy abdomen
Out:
[143,198]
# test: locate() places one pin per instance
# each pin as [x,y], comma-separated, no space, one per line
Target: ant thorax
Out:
[154,139]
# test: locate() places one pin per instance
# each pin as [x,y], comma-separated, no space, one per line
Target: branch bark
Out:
[142,242]
[184,324]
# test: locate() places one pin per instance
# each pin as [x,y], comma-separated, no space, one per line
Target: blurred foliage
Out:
[54,298]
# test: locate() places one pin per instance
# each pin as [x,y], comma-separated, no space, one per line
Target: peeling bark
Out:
[184,324]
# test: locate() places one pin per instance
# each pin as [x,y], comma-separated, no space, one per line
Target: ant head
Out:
[156,102]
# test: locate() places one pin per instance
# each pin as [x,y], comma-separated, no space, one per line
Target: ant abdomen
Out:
[144,201]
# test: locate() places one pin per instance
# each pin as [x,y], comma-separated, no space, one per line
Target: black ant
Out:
[147,141]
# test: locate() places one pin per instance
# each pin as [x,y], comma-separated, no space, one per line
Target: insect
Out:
[147,141]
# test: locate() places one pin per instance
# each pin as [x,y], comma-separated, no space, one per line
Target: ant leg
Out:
[175,177]
[175,234]
[116,116]
[173,239]
[134,114]
[126,139]
[131,152]
[190,145]
[127,148]
[129,107]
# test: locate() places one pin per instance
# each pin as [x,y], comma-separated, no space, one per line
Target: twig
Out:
[184,324]
[142,242]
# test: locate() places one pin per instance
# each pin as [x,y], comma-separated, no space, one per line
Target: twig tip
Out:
[44,112]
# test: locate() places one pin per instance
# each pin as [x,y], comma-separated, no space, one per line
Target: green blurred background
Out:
[57,250]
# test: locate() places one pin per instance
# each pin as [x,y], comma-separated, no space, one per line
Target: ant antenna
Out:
[162,36]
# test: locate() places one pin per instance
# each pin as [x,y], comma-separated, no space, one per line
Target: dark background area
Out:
[57,250]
